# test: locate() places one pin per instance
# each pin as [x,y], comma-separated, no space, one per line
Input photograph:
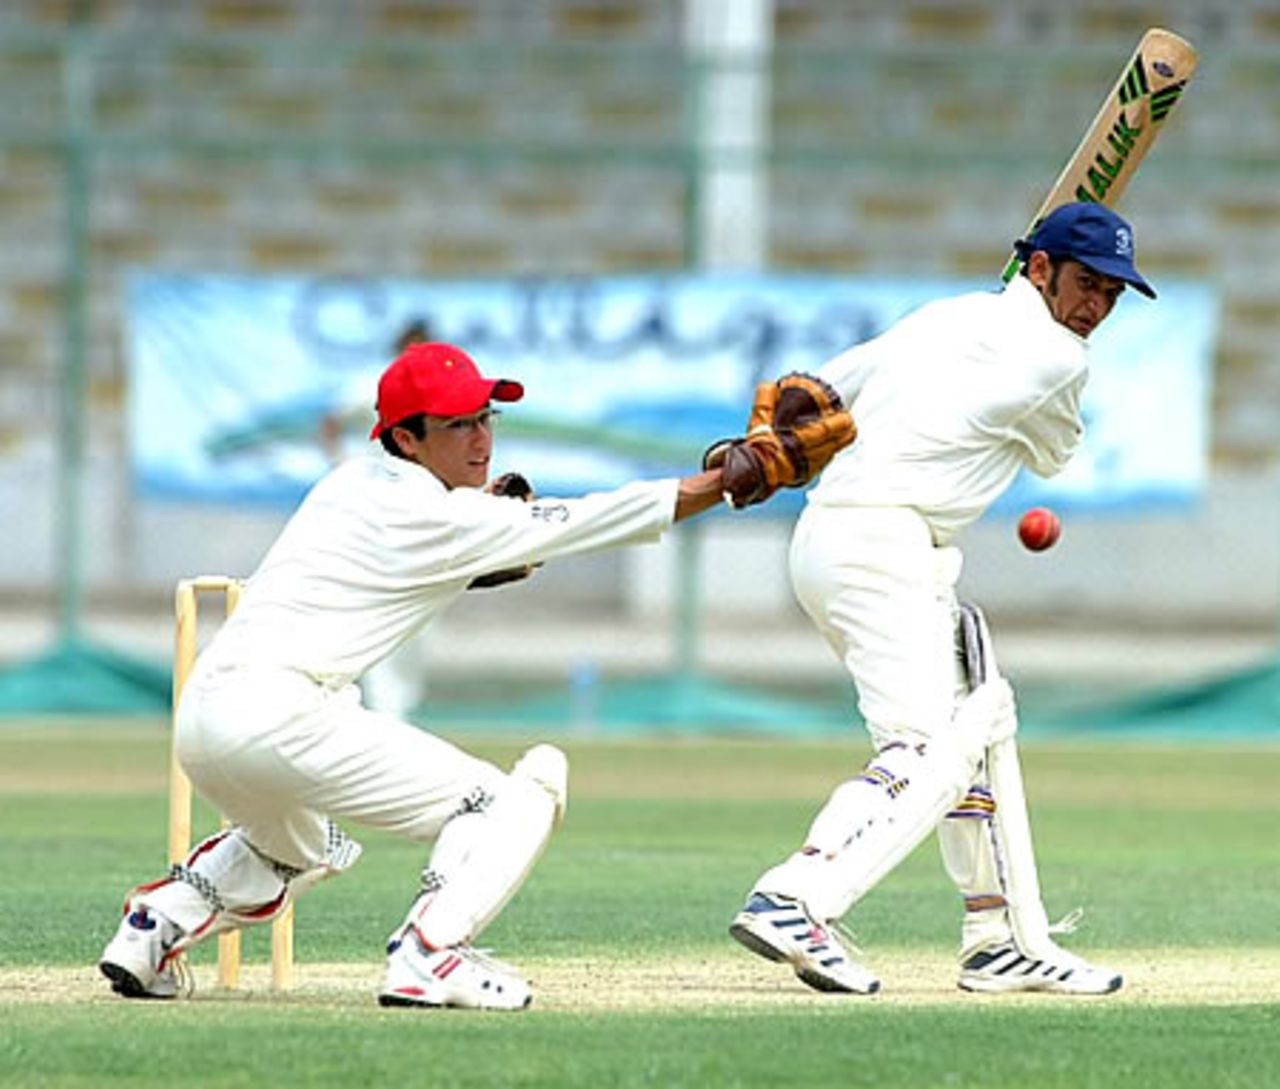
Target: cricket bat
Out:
[1126,126]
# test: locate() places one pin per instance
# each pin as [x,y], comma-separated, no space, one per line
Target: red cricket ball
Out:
[1039,529]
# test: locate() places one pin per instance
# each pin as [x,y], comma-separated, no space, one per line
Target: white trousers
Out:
[280,754]
[884,598]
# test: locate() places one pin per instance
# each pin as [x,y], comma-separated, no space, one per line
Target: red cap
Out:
[437,379]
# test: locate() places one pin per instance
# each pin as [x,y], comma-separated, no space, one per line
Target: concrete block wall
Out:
[455,137]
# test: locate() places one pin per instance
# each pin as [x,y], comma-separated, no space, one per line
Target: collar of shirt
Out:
[404,469]
[1027,301]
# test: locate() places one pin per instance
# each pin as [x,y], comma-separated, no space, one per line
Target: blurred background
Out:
[222,216]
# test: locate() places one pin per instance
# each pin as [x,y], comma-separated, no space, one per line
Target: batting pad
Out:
[485,852]
[223,884]
[549,768]
[870,824]
[1003,849]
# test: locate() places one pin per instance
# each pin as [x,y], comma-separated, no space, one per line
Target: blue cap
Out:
[1093,235]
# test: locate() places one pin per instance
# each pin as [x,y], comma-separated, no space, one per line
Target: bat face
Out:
[1124,129]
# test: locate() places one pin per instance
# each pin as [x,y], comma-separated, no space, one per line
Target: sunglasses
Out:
[485,419]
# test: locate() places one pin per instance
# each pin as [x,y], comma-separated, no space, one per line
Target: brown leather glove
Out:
[797,425]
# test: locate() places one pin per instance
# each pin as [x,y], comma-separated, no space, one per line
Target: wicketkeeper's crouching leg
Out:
[482,856]
[1007,942]
[224,884]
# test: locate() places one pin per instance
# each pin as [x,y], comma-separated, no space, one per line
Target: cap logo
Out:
[1124,242]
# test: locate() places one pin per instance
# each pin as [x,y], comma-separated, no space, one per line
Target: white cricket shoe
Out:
[459,976]
[137,959]
[1002,968]
[779,928]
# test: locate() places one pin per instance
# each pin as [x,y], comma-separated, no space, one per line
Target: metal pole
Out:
[72,418]
[688,599]
[728,43]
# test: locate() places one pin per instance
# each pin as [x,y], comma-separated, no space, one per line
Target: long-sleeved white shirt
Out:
[952,401]
[380,547]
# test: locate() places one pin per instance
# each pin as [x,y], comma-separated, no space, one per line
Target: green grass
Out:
[1054,1048]
[1167,848]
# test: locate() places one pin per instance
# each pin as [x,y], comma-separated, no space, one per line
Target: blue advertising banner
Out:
[247,389]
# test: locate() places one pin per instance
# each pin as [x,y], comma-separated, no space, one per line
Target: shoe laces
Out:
[183,976]
[484,958]
[848,941]
[1068,923]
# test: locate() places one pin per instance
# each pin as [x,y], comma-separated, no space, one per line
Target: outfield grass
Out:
[1173,852]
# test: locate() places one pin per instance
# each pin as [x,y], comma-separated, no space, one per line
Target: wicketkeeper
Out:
[951,403]
[271,728]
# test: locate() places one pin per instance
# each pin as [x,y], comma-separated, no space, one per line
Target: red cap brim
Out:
[464,401]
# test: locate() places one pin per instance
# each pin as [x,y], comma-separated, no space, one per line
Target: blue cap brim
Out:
[1108,266]
[1120,270]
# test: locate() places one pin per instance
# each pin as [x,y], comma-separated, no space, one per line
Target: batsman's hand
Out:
[514,486]
[797,425]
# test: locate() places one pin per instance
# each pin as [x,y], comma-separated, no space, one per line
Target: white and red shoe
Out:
[459,976]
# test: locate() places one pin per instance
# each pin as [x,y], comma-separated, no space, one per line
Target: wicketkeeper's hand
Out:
[797,425]
[512,485]
[515,486]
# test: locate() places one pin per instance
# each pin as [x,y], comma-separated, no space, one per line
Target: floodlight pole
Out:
[728,43]
[72,422]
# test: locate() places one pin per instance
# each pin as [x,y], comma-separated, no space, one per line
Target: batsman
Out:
[951,403]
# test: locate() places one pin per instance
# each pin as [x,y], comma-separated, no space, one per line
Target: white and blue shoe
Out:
[138,960]
[779,928]
[1003,969]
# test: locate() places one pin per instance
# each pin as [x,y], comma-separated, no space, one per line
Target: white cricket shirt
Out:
[952,401]
[380,547]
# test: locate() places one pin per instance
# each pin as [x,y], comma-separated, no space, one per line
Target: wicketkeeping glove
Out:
[515,486]
[797,425]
